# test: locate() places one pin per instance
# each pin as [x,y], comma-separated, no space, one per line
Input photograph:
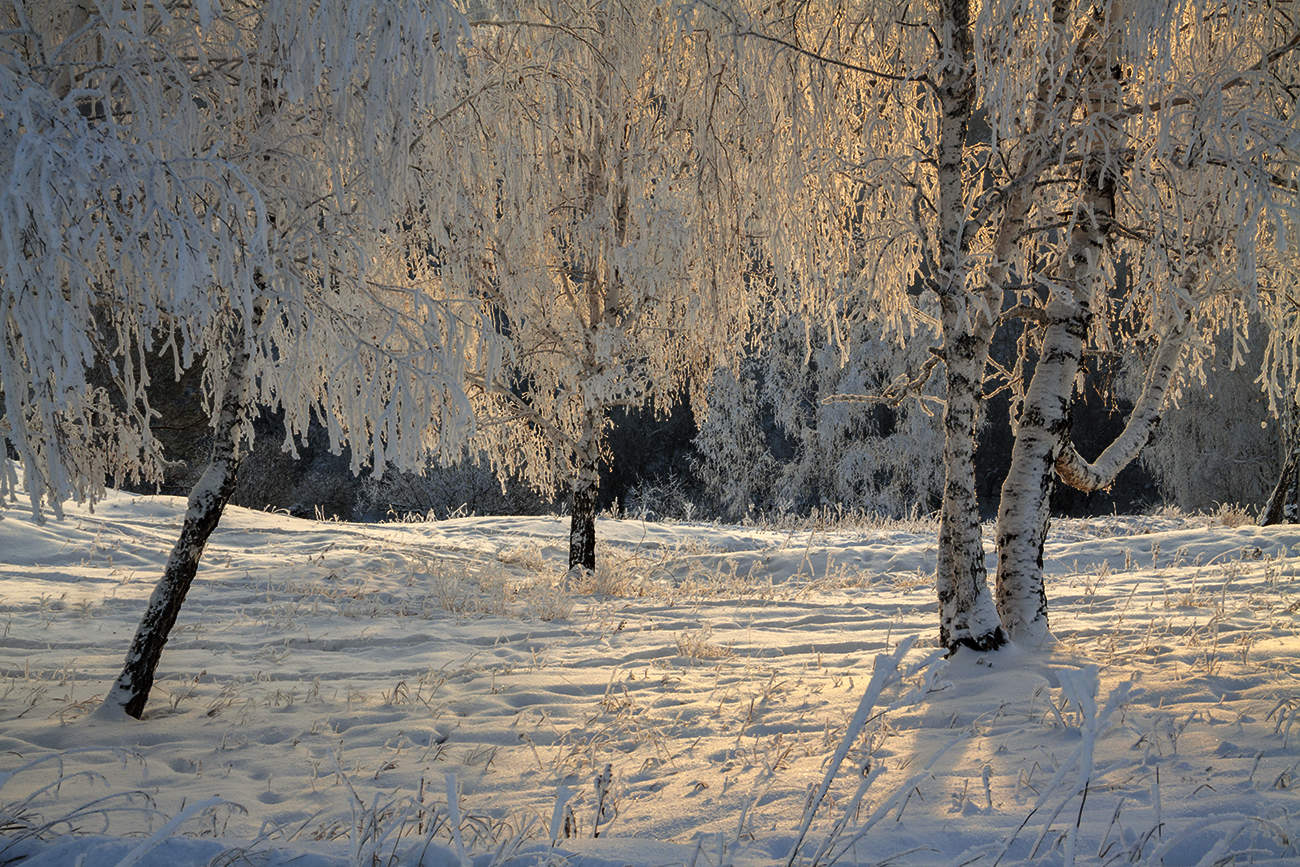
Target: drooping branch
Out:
[1024,311]
[1242,78]
[744,31]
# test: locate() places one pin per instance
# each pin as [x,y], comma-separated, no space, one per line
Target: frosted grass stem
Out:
[884,668]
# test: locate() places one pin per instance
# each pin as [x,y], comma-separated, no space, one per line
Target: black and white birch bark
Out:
[207,501]
[1043,426]
[1044,423]
[605,201]
[1043,445]
[967,617]
[967,613]
[1142,421]
[1023,510]
[1283,505]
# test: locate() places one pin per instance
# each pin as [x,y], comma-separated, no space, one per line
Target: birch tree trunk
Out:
[967,617]
[1022,514]
[208,498]
[603,297]
[1023,510]
[1044,424]
[586,486]
[207,501]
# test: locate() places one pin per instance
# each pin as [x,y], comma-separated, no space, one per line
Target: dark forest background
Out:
[1217,446]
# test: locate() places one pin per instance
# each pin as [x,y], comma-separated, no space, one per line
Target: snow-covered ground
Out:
[330,686]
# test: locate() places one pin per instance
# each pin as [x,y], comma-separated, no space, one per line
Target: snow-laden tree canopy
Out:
[613,272]
[391,214]
[597,152]
[174,170]
[1118,175]
[1199,126]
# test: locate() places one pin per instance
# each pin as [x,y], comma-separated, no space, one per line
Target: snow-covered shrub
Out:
[468,488]
[775,438]
[666,497]
[1218,444]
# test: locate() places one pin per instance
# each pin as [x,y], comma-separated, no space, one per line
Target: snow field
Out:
[348,691]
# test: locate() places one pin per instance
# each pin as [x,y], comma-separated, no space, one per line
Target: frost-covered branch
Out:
[747,30]
[903,386]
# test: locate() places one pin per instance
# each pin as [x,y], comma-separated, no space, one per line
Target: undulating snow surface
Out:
[328,685]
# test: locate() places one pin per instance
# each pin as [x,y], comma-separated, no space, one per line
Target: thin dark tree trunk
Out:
[586,486]
[582,526]
[207,501]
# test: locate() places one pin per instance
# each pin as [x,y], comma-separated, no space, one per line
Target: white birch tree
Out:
[978,153]
[901,183]
[92,265]
[235,174]
[1183,124]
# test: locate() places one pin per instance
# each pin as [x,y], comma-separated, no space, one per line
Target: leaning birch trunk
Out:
[210,494]
[207,501]
[1044,423]
[1044,426]
[967,617]
[1024,586]
[1023,509]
